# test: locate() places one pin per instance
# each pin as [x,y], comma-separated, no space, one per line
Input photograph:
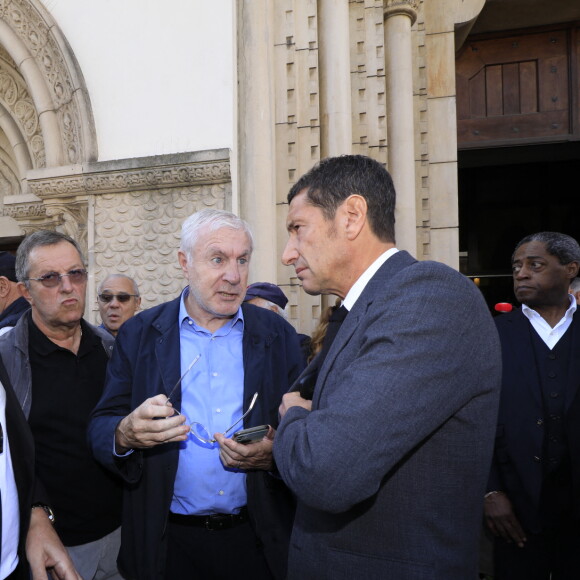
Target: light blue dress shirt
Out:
[211,394]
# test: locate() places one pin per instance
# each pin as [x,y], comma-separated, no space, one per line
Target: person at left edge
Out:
[29,545]
[12,303]
[56,362]
[195,509]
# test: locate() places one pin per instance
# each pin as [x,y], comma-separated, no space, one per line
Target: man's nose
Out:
[289,255]
[523,272]
[232,273]
[65,284]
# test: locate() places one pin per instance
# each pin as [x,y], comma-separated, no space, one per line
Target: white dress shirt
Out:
[364,278]
[550,335]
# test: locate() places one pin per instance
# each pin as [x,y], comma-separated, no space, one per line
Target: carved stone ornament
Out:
[16,99]
[400,7]
[149,178]
[58,70]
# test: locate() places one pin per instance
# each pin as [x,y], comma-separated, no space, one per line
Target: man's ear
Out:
[4,286]
[182,259]
[355,207]
[572,268]
[25,292]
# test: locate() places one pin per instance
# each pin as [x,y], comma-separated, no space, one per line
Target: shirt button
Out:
[214,374]
[190,322]
[552,374]
[218,410]
[221,492]
[554,395]
[540,422]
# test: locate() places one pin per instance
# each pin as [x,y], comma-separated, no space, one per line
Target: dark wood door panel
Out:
[516,88]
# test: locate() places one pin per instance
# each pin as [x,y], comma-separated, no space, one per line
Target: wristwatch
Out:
[47,510]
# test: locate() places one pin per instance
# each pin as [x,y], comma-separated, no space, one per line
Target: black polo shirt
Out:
[86,498]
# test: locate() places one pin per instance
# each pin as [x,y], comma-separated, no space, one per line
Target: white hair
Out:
[212,219]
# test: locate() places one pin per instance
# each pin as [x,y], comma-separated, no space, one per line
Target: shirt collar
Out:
[530,313]
[184,316]
[363,280]
[45,347]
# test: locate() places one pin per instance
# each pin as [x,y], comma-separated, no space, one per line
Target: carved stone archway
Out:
[46,119]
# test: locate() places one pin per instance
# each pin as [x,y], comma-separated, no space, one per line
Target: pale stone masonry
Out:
[314,78]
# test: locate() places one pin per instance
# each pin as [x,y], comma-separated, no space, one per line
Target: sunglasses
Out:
[106,298]
[53,279]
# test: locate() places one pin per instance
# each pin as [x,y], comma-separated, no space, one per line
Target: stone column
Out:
[443,20]
[256,138]
[335,89]
[399,16]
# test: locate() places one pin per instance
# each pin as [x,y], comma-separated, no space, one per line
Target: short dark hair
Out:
[334,179]
[565,248]
[35,240]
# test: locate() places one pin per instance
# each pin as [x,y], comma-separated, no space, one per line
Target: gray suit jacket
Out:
[390,466]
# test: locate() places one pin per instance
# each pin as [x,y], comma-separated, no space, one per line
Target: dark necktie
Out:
[308,382]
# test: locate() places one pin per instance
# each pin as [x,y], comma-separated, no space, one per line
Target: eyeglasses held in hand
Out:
[197,429]
[53,279]
[106,298]
[200,432]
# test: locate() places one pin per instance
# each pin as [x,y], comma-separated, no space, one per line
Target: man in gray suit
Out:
[390,458]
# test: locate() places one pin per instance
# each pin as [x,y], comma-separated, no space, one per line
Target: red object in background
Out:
[503,307]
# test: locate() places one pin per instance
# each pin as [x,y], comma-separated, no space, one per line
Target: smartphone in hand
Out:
[251,435]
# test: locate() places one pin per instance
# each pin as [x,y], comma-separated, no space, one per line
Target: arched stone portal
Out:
[45,113]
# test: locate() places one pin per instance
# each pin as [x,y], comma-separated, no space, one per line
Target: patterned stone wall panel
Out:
[138,234]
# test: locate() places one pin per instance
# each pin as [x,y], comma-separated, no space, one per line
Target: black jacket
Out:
[145,363]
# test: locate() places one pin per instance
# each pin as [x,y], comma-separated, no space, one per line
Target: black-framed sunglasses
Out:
[53,279]
[106,298]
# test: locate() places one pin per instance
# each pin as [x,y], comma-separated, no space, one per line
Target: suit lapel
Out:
[574,371]
[375,287]
[167,350]
[254,354]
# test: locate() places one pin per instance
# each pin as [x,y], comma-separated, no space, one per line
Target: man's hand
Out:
[45,550]
[153,422]
[293,399]
[256,455]
[501,519]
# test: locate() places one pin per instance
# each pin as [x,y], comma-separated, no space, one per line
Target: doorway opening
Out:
[505,194]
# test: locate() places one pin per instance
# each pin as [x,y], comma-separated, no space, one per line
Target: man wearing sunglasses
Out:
[118,299]
[182,376]
[56,362]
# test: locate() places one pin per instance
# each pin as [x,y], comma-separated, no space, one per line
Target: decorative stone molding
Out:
[71,216]
[142,179]
[54,77]
[30,213]
[401,7]
[17,101]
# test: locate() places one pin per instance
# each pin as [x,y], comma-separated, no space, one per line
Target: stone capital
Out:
[401,7]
